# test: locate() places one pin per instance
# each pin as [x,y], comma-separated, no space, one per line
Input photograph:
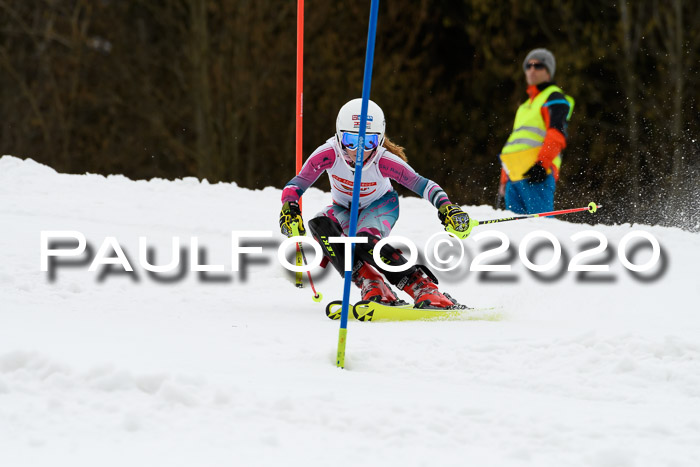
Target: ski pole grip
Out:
[465,233]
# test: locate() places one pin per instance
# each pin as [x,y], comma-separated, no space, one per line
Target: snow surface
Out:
[128,370]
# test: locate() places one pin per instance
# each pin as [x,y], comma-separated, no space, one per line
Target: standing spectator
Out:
[531,158]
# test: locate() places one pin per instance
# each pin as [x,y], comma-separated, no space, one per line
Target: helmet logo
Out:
[356,121]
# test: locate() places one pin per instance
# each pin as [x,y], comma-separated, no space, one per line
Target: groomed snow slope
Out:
[134,370]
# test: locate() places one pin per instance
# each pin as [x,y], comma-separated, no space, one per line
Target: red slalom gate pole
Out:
[300,116]
[300,85]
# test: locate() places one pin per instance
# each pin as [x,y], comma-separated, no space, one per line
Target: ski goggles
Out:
[352,141]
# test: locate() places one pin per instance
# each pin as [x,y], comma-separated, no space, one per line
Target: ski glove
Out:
[289,215]
[537,173]
[455,220]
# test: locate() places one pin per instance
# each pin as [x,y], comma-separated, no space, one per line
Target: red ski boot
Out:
[373,286]
[425,293]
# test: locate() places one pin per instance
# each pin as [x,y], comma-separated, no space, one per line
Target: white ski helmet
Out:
[348,121]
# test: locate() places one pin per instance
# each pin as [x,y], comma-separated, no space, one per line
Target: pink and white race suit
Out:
[378,200]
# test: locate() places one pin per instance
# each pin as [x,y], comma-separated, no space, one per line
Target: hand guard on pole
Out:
[455,220]
[291,214]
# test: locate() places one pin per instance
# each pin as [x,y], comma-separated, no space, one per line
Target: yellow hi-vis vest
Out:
[523,146]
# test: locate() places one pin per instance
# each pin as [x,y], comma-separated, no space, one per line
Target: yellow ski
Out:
[373,311]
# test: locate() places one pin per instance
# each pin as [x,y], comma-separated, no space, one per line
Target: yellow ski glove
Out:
[289,215]
[455,220]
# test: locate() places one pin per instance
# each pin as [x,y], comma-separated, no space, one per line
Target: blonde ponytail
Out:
[394,148]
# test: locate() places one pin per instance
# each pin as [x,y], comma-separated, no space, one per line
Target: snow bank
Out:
[228,368]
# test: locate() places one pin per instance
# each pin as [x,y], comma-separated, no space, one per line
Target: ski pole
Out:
[295,231]
[592,207]
[298,275]
[317,295]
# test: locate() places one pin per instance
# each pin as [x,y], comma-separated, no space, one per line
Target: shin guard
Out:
[322,228]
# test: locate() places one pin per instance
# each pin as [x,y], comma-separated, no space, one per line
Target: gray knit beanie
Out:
[543,56]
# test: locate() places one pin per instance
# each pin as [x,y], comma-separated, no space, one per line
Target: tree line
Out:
[206,88]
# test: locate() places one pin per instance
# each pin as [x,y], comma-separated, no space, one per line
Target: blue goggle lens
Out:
[351,141]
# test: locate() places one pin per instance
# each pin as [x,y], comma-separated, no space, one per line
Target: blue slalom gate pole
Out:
[366,85]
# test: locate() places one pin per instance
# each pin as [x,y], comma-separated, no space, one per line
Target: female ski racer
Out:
[383,161]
